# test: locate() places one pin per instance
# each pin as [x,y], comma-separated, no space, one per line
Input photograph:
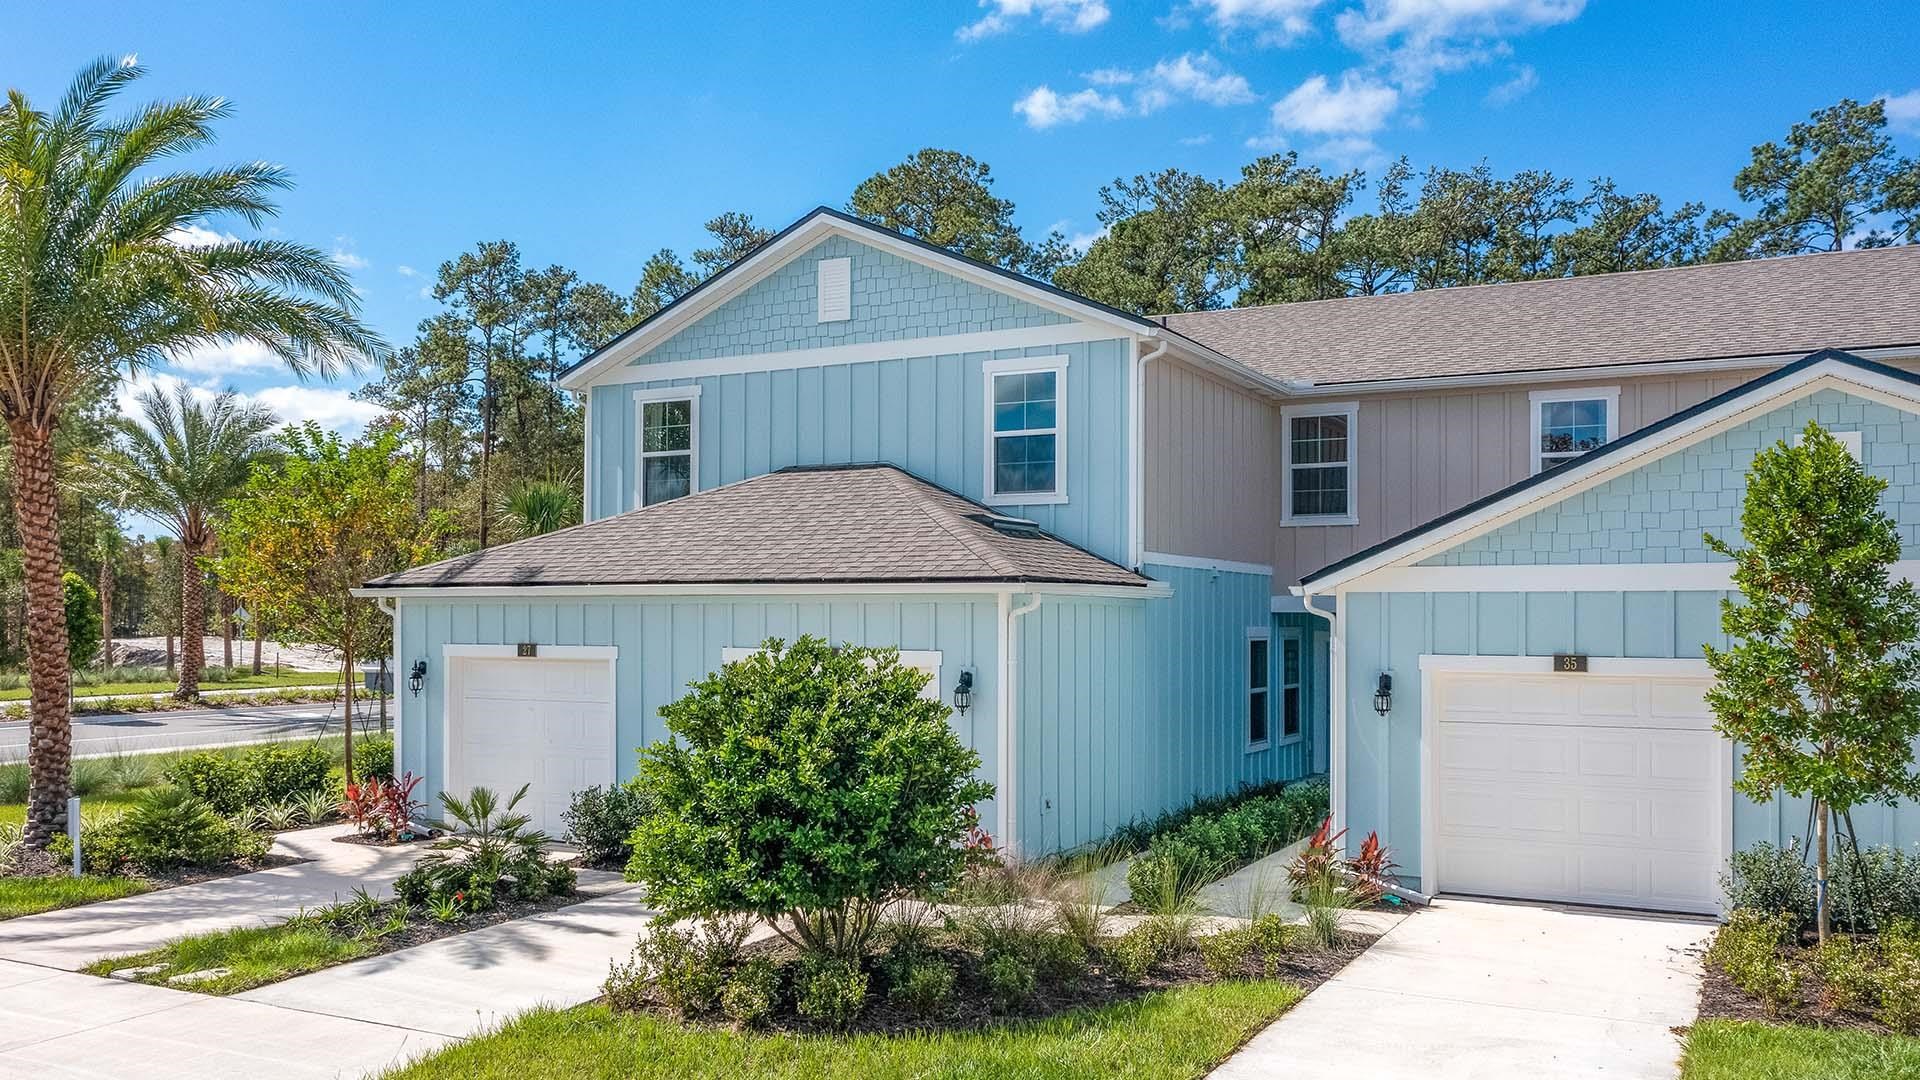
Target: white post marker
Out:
[73,830]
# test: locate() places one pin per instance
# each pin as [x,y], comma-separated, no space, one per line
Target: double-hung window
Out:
[1318,464]
[669,438]
[1259,692]
[1568,423]
[1026,440]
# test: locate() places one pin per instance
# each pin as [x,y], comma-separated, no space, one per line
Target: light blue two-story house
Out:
[1153,559]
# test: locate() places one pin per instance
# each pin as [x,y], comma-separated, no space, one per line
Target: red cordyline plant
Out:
[1366,875]
[383,808]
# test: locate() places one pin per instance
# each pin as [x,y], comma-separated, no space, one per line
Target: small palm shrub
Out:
[491,852]
[171,828]
[600,822]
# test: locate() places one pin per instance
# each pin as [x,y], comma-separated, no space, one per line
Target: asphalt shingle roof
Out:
[809,524]
[1761,307]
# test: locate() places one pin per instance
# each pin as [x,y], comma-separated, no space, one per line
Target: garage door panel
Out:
[1619,797]
[545,723]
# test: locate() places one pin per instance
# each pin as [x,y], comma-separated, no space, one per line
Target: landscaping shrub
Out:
[265,774]
[687,966]
[1769,878]
[600,822]
[923,984]
[1867,892]
[1009,978]
[808,785]
[1226,952]
[1272,937]
[1134,955]
[373,757]
[382,808]
[752,993]
[1898,977]
[490,852]
[1748,949]
[831,991]
[171,827]
[1219,840]
[219,780]
[1848,979]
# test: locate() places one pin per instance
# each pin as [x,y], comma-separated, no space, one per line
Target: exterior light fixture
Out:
[963,693]
[1383,695]
[417,677]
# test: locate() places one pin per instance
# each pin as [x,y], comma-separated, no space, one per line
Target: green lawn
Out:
[1737,1050]
[257,955]
[110,803]
[265,680]
[30,896]
[1175,1034]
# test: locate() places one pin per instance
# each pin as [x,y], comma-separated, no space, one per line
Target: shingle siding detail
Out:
[894,299]
[1659,512]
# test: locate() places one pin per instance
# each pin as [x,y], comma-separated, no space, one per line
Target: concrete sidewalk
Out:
[72,938]
[1495,991]
[460,985]
[55,1024]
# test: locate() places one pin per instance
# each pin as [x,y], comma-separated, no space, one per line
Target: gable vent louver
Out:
[836,289]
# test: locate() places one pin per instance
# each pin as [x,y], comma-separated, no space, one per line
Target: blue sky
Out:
[594,135]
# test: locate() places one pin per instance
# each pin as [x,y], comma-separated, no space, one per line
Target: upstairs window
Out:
[1026,428]
[1318,464]
[669,444]
[1259,696]
[1568,423]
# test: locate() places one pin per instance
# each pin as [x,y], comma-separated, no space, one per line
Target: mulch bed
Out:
[422,928]
[364,840]
[969,1008]
[24,862]
[1720,999]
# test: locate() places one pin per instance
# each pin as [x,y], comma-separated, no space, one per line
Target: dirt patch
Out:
[969,1007]
[152,652]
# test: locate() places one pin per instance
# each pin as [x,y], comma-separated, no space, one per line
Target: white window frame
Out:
[1348,409]
[992,370]
[1248,690]
[1540,398]
[641,399]
[1281,686]
[927,660]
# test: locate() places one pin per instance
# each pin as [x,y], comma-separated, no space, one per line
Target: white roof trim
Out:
[810,231]
[432,593]
[1572,479]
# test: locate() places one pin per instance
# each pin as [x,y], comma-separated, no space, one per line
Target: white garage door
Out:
[1579,788]
[543,722]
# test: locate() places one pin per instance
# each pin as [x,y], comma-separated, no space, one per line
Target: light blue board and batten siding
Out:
[892,299]
[1132,708]
[1658,513]
[923,413]
[668,642]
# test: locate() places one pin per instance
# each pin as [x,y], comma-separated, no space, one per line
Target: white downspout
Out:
[1336,712]
[1005,791]
[1136,455]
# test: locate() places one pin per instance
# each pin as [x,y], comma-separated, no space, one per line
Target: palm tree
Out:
[539,506]
[178,466]
[100,274]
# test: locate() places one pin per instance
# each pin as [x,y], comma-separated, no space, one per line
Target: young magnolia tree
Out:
[1820,685]
[307,531]
[808,785]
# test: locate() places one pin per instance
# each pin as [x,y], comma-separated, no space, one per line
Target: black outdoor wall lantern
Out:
[417,677]
[1383,695]
[963,693]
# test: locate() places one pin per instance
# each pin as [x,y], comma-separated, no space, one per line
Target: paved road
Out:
[100,736]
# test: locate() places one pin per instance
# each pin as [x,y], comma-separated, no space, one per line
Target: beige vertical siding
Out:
[1213,460]
[1212,466]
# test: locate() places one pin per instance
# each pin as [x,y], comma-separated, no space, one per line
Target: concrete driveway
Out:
[1495,991]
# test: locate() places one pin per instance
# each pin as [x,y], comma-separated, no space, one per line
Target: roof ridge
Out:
[946,519]
[1611,275]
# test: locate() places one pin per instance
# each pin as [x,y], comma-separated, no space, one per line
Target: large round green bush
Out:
[807,784]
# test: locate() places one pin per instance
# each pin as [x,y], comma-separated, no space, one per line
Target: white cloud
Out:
[1201,139]
[348,259]
[1421,38]
[1903,111]
[1359,105]
[1275,22]
[406,271]
[336,410]
[426,292]
[1043,108]
[1187,77]
[1070,16]
[1192,75]
[1350,152]
[1523,82]
[199,236]
[1269,143]
[226,358]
